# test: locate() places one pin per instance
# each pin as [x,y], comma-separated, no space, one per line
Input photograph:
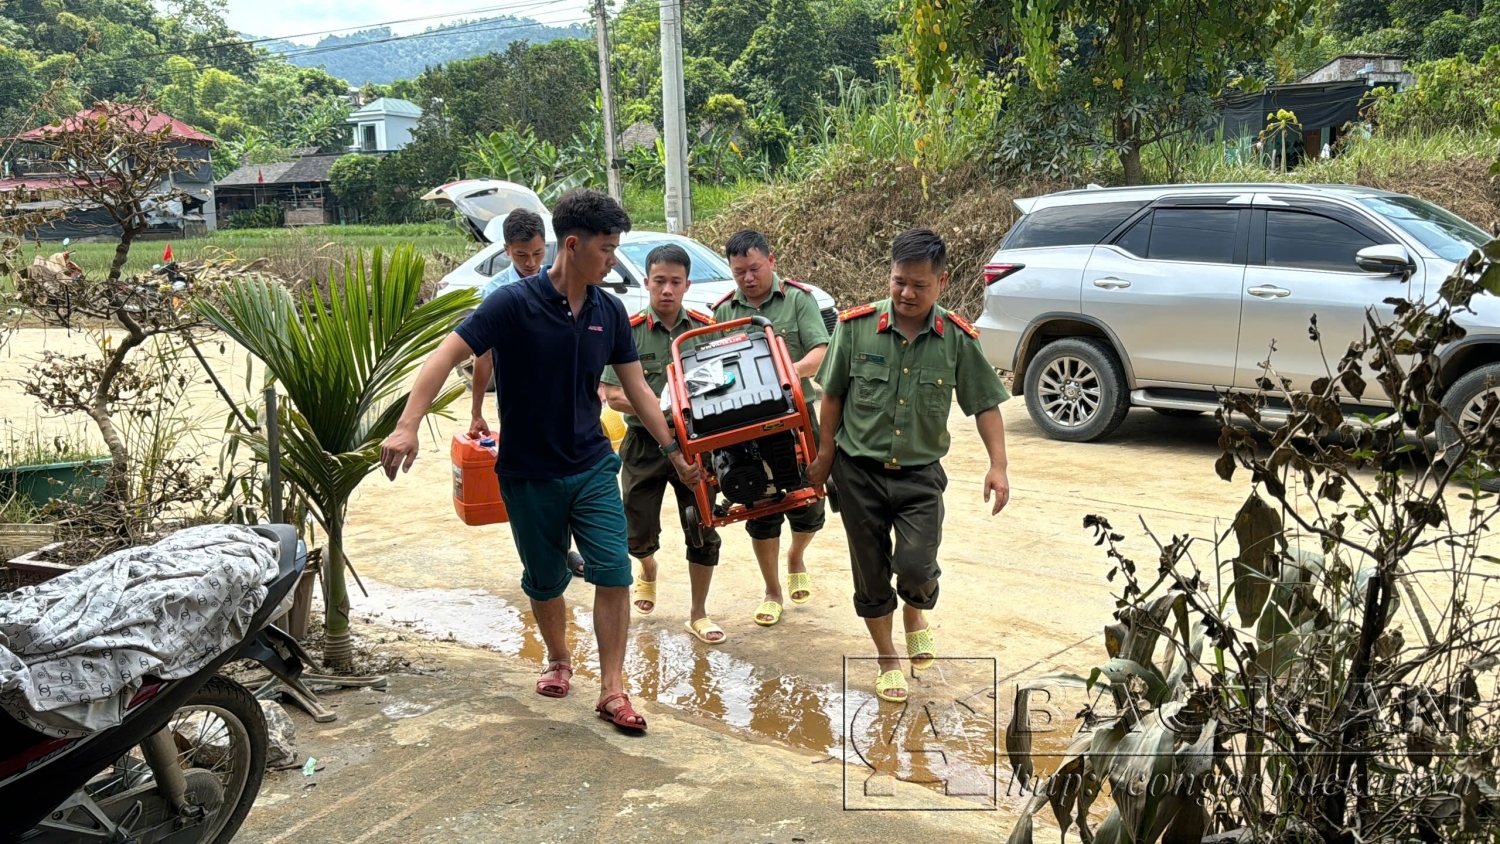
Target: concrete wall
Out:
[1347,68]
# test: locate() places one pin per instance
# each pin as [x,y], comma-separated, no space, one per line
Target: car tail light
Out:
[442,284]
[995,272]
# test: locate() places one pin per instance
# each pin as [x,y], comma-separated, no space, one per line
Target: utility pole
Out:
[601,27]
[674,120]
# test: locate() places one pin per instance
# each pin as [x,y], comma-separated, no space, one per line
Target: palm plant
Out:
[342,366]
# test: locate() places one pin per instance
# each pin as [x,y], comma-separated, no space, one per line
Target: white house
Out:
[384,125]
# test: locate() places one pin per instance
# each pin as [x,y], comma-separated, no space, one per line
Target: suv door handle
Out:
[1111,283]
[1267,291]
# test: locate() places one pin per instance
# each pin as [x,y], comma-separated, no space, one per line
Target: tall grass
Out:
[294,254]
[647,205]
[1359,159]
[882,122]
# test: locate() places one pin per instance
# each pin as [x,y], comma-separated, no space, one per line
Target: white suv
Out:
[1162,297]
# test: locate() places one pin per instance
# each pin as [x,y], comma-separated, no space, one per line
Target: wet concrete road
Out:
[774,735]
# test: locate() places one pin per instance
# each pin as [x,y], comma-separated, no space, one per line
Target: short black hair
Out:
[669,253]
[920,245]
[522,225]
[587,213]
[741,242]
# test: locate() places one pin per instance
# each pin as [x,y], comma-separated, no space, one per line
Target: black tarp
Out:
[1317,106]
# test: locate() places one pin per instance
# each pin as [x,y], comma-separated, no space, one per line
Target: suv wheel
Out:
[1076,390]
[1465,401]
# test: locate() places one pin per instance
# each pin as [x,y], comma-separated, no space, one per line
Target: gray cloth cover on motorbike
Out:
[74,649]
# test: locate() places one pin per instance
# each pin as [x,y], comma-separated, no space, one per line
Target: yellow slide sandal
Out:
[891,686]
[644,592]
[768,613]
[799,583]
[921,649]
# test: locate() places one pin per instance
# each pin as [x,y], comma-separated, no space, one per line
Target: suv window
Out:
[1311,242]
[1069,225]
[1205,235]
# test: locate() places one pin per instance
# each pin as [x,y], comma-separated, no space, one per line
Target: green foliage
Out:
[549,87]
[352,180]
[343,366]
[1144,59]
[261,217]
[1452,93]
[782,60]
[515,155]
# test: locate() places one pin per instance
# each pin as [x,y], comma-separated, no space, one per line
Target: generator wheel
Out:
[692,526]
[832,493]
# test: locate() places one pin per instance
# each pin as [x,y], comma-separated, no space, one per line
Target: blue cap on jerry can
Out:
[487,442]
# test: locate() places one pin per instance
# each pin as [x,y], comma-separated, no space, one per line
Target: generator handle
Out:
[760,321]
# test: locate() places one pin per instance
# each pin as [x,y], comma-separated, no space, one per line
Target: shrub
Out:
[261,217]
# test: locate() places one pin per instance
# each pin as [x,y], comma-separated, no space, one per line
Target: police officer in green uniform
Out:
[645,472]
[793,312]
[888,382]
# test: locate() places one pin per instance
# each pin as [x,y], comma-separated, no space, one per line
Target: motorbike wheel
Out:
[220,735]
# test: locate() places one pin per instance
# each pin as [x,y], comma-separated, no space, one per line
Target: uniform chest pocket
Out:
[871,383]
[793,337]
[935,391]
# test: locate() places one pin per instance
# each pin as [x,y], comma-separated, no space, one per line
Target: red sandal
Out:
[624,715]
[548,687]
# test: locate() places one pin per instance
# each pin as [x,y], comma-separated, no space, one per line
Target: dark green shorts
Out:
[585,506]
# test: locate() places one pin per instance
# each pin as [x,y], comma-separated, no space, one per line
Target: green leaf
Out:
[1120,670]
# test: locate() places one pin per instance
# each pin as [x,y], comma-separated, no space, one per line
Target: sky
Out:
[281,18]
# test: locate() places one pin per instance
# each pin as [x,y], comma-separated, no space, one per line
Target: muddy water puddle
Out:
[946,739]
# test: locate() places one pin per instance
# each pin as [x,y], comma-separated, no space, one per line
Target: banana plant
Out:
[342,365]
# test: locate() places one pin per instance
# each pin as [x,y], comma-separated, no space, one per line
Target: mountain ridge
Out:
[383,57]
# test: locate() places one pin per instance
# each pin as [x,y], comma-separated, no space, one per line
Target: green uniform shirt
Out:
[898,392]
[653,340]
[793,312]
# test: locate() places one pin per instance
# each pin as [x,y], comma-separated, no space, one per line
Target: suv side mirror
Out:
[1387,259]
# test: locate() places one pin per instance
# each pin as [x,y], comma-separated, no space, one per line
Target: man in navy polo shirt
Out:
[550,337]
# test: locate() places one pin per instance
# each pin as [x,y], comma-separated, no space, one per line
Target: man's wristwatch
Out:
[669,448]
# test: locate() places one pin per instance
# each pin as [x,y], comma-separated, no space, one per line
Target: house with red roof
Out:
[30,167]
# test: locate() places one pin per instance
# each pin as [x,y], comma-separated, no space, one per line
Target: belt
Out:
[870,464]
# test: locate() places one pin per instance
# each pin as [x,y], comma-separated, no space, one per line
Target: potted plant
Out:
[35,470]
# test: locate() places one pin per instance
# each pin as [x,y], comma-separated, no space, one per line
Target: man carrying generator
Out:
[551,336]
[888,383]
[644,472]
[793,312]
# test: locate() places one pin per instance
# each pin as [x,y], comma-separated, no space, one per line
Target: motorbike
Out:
[185,762]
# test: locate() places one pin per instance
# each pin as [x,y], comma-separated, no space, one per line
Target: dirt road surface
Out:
[773,735]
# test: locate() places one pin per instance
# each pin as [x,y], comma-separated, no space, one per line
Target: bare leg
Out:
[768,554]
[701,577]
[552,621]
[912,619]
[880,631]
[794,561]
[611,624]
[648,574]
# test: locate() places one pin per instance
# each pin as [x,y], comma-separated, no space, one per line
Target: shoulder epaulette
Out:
[967,327]
[856,312]
[797,284]
[727,297]
[638,319]
[701,317]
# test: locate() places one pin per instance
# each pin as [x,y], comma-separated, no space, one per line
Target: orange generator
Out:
[476,487]
[749,431]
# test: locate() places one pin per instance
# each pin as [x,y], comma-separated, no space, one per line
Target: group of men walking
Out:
[559,347]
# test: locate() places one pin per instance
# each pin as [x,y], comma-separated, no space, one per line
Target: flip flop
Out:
[770,608]
[891,681]
[921,649]
[555,688]
[643,590]
[799,582]
[704,626]
[624,715]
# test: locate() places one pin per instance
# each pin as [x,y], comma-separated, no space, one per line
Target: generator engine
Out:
[757,470]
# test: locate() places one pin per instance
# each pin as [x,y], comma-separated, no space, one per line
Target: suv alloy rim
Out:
[1070,391]
[1474,410]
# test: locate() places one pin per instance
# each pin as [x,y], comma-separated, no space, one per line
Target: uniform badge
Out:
[872,358]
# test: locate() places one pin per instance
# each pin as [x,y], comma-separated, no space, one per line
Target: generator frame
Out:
[695,448]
